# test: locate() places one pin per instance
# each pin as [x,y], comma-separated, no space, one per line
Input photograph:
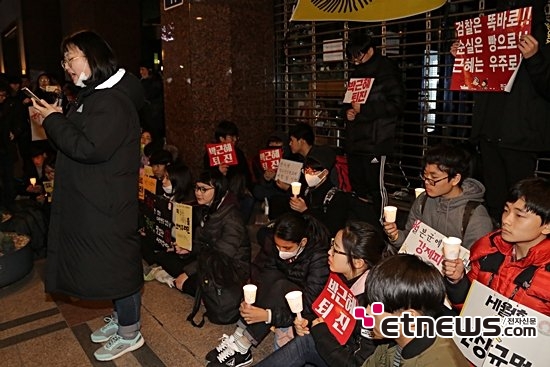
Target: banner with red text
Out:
[488,56]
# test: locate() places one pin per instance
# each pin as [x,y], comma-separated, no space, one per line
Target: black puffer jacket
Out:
[93,238]
[309,272]
[373,129]
[225,232]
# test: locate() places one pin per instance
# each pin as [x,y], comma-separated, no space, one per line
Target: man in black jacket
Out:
[370,127]
[511,128]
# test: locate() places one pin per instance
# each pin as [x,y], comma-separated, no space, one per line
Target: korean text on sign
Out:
[488,55]
[270,158]
[335,305]
[358,90]
[222,153]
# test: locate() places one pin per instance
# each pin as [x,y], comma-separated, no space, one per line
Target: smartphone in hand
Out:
[30,94]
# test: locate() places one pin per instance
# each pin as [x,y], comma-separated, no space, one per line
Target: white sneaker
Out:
[105,332]
[118,346]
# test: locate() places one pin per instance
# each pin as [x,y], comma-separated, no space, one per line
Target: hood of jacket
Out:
[126,83]
[472,190]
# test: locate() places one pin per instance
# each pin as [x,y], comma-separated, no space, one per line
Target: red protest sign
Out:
[358,90]
[335,305]
[270,158]
[222,153]
[488,55]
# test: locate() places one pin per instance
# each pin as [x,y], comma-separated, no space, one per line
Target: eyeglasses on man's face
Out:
[202,189]
[65,63]
[332,248]
[431,181]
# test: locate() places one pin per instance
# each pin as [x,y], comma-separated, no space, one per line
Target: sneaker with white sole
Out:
[117,346]
[231,357]
[105,332]
[224,342]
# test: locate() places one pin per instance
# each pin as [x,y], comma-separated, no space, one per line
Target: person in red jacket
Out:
[515,260]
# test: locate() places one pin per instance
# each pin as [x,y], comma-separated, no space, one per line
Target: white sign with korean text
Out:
[358,90]
[426,242]
[503,351]
[289,171]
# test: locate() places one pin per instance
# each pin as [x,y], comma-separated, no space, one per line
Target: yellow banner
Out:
[183,224]
[361,10]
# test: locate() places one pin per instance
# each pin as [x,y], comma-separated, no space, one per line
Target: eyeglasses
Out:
[202,189]
[432,181]
[335,251]
[64,63]
[357,60]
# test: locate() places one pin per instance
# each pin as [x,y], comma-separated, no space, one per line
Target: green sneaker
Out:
[105,332]
[117,346]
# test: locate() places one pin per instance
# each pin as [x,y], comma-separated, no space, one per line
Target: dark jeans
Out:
[128,309]
[502,168]
[272,287]
[298,352]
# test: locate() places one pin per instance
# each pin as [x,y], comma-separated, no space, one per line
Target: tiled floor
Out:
[36,330]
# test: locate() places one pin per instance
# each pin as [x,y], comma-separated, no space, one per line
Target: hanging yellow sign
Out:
[361,10]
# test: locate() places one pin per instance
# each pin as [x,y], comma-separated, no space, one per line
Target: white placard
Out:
[333,50]
[289,171]
[503,351]
[426,242]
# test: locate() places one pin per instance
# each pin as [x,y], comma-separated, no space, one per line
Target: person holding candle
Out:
[298,263]
[449,194]
[354,250]
[93,244]
[515,260]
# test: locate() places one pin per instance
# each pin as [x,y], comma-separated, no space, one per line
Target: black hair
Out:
[403,282]
[151,147]
[101,58]
[225,128]
[303,131]
[213,177]
[295,226]
[314,164]
[450,159]
[536,193]
[160,156]
[359,44]
[182,182]
[362,240]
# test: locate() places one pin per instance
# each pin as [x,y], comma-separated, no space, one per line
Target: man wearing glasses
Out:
[370,126]
[452,202]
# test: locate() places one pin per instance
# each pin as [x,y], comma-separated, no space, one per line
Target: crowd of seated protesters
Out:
[294,249]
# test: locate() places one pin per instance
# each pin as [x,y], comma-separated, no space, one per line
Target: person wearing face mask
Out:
[298,262]
[322,199]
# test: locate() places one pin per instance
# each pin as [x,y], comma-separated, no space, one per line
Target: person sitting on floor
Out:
[449,195]
[299,263]
[405,284]
[354,251]
[519,250]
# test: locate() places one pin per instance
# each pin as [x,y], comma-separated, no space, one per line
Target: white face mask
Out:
[285,255]
[81,78]
[167,189]
[313,180]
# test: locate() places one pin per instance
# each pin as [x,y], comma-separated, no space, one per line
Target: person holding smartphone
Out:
[94,249]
